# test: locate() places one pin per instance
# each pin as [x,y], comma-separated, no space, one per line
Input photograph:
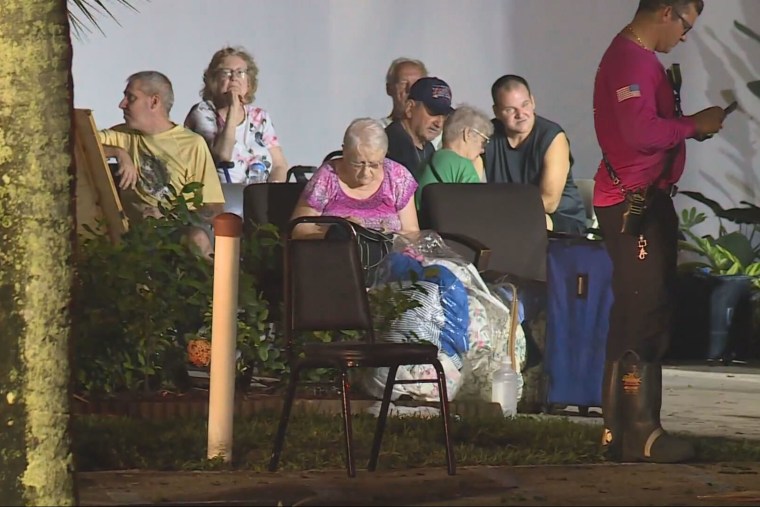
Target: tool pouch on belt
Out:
[636,204]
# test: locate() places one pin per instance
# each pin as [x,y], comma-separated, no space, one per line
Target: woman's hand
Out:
[235,94]
[235,112]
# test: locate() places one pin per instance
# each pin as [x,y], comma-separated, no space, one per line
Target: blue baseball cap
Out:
[434,93]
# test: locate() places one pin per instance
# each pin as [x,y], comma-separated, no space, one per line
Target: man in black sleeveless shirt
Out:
[527,148]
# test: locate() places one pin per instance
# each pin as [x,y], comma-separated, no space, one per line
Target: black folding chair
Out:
[325,290]
[270,203]
[508,218]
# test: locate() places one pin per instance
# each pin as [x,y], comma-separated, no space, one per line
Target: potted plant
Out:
[727,264]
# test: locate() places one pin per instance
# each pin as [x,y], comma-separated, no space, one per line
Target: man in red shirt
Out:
[642,137]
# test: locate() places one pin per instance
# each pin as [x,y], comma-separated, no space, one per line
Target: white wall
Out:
[322,63]
[717,61]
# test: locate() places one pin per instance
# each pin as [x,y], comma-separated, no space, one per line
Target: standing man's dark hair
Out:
[653,5]
[642,135]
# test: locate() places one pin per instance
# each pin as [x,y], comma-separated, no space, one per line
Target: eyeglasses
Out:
[486,139]
[238,73]
[686,25]
[362,165]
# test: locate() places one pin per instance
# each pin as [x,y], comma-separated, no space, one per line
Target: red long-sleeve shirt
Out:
[635,121]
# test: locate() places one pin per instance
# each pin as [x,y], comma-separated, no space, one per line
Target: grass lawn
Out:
[315,441]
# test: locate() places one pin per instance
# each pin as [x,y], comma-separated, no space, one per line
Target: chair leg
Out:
[284,417]
[444,398]
[345,392]
[382,418]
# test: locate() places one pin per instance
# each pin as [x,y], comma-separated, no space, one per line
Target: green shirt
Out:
[450,167]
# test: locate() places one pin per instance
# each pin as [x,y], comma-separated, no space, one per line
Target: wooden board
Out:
[98,203]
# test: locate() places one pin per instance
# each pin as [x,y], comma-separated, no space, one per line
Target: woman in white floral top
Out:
[240,135]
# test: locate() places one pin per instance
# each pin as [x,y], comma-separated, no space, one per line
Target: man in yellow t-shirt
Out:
[153,153]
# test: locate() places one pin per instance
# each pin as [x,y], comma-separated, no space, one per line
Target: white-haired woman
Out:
[465,134]
[240,135]
[363,186]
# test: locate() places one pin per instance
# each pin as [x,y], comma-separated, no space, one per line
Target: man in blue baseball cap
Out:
[409,138]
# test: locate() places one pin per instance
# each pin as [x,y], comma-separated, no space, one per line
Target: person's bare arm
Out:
[127,172]
[224,142]
[307,231]
[279,165]
[478,163]
[408,217]
[554,173]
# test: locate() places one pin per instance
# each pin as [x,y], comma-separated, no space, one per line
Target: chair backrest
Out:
[332,155]
[324,282]
[269,203]
[300,173]
[509,218]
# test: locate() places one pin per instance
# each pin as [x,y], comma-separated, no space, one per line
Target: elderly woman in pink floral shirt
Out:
[363,186]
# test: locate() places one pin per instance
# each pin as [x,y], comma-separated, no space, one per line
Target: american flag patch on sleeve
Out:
[628,92]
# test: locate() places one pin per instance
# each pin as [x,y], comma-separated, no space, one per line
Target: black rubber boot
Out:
[611,441]
[643,438]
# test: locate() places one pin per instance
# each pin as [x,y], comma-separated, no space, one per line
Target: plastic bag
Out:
[458,313]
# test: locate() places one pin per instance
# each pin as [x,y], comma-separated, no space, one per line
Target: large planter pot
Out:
[729,293]
[712,317]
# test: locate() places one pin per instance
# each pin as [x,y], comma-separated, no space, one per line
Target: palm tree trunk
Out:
[36,237]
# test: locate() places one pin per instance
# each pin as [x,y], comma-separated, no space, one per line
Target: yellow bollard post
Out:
[227,229]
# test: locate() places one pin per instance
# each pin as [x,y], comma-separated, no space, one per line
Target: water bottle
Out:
[504,390]
[257,173]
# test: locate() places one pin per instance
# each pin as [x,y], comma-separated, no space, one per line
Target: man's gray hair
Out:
[153,82]
[365,132]
[392,75]
[464,117]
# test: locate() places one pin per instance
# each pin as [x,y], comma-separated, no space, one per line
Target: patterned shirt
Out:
[378,211]
[254,137]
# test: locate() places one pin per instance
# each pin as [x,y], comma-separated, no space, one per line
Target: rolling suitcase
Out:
[579,298]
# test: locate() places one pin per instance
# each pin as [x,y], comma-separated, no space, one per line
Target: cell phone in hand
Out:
[730,108]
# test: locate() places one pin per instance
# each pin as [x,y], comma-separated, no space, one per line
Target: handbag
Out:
[373,245]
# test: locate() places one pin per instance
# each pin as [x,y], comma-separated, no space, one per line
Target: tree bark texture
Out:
[36,238]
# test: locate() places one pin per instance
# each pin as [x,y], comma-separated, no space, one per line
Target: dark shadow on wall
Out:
[730,67]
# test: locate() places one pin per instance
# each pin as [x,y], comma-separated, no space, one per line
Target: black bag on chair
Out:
[374,245]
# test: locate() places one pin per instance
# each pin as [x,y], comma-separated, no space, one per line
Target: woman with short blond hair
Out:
[240,135]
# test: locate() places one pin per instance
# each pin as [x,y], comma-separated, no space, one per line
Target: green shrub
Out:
[137,302]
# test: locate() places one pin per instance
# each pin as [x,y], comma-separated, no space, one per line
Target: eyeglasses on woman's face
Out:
[484,138]
[228,73]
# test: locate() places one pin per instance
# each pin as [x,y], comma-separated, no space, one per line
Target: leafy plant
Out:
[138,301]
[731,253]
[89,10]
